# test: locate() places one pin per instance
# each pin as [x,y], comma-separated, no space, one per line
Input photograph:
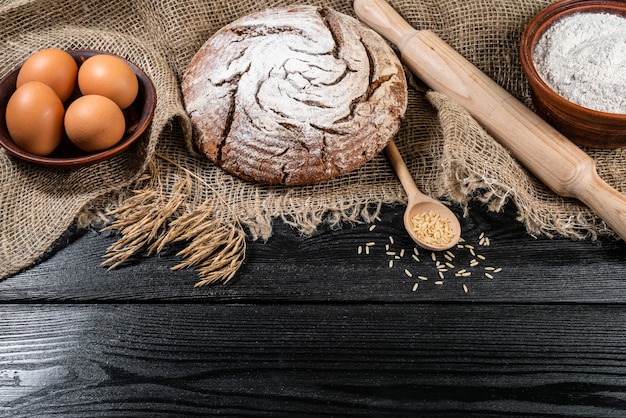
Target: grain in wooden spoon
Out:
[430,223]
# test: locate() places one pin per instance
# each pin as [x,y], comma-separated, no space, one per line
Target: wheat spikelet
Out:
[216,249]
[154,217]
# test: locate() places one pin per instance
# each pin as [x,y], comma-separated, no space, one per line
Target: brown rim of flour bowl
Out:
[583,125]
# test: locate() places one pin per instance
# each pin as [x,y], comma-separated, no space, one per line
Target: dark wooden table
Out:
[311,327]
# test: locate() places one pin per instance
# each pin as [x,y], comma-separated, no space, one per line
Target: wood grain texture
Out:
[327,267]
[312,328]
[278,360]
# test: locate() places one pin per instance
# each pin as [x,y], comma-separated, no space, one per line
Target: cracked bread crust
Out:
[294,95]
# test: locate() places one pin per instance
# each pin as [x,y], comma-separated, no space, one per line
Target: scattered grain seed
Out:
[469,247]
[367,250]
[439,282]
[498,270]
[459,246]
[397,257]
[490,268]
[472,252]
[465,289]
[416,251]
[402,252]
[391,240]
[372,227]
[450,265]
[387,247]
[467,274]
[461,240]
[473,263]
[392,253]
[416,258]
[360,250]
[482,235]
[450,254]
[415,286]
[424,278]
[433,256]
[390,264]
[408,273]
[489,276]
[480,256]
[441,275]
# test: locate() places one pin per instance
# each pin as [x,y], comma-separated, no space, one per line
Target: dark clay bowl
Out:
[585,127]
[138,118]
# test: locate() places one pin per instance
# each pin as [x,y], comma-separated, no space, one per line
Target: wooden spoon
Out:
[554,159]
[419,203]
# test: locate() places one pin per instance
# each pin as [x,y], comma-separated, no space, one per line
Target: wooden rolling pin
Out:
[554,159]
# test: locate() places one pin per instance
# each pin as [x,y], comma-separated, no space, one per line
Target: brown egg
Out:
[53,67]
[108,76]
[94,123]
[34,118]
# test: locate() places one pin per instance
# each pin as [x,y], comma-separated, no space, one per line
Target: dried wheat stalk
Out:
[152,218]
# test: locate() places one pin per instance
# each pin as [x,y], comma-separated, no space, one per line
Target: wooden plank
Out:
[286,360]
[328,267]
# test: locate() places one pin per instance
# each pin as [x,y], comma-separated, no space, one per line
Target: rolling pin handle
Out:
[384,19]
[605,201]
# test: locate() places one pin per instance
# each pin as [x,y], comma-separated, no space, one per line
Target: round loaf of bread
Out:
[294,95]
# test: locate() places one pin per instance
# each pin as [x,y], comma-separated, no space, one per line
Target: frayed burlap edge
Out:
[151,216]
[173,204]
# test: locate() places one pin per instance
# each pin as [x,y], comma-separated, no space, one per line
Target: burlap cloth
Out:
[163,191]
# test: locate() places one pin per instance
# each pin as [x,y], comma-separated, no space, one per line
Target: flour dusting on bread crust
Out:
[294,95]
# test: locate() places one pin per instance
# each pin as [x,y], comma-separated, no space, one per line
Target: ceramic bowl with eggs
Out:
[96,123]
[573,55]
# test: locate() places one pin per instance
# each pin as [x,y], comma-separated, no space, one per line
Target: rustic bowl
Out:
[583,126]
[138,118]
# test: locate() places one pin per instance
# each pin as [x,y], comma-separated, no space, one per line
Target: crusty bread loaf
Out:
[294,95]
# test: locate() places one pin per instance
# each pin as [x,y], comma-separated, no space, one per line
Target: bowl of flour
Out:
[573,55]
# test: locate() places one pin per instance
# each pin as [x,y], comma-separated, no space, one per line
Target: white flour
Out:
[583,58]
